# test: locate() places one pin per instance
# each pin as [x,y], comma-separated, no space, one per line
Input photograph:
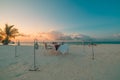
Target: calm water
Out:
[79,43]
[74,43]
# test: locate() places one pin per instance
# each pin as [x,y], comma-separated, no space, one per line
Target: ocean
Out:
[106,42]
[76,43]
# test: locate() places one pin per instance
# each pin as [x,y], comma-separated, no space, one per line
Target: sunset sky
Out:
[98,19]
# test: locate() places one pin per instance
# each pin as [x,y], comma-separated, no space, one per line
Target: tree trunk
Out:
[6,41]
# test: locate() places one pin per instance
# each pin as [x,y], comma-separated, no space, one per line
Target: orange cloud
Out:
[51,36]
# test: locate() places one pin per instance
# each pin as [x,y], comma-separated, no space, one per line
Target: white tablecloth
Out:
[63,48]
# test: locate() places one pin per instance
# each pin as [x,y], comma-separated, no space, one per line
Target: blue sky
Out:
[95,18]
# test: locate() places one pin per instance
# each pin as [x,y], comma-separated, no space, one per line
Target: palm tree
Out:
[1,36]
[8,33]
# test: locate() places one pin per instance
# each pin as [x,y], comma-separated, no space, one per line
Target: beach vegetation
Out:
[8,33]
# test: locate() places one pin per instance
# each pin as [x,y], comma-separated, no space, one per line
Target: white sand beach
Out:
[77,65]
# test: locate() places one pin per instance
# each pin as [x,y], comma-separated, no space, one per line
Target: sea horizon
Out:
[75,42]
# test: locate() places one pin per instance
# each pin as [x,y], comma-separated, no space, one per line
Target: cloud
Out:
[79,36]
[56,35]
[52,35]
[24,35]
[117,35]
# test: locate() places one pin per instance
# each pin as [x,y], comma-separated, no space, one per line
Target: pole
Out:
[34,56]
[15,51]
[92,52]
[83,46]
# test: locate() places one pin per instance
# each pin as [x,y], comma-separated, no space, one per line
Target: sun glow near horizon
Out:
[90,18]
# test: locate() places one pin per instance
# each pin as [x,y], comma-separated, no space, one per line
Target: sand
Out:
[77,65]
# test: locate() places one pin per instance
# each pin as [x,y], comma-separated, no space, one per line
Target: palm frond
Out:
[1,37]
[8,29]
[9,33]
[14,31]
[2,33]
